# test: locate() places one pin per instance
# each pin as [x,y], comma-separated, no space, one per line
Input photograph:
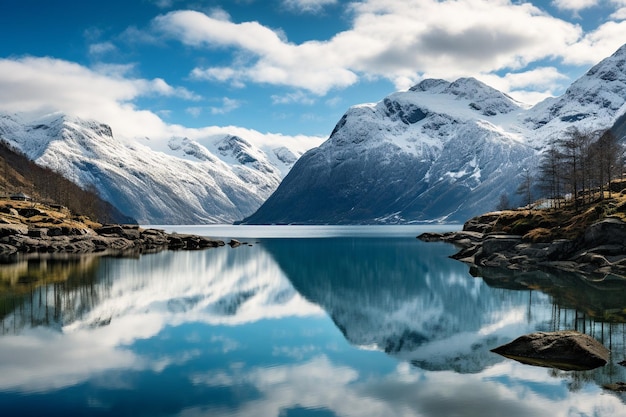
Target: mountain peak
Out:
[595,99]
[434,85]
[482,98]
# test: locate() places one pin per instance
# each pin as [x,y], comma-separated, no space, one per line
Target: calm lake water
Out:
[303,321]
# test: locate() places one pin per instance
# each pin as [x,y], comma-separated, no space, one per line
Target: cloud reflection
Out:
[138,300]
[319,384]
[200,319]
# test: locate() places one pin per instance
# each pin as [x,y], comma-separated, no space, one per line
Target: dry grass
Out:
[45,217]
[546,225]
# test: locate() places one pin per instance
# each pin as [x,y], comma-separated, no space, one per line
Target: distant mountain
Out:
[220,181]
[440,151]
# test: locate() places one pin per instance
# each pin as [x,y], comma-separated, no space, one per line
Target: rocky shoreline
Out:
[599,251]
[19,238]
[28,227]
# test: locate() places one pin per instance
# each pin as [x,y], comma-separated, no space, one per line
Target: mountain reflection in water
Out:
[330,326]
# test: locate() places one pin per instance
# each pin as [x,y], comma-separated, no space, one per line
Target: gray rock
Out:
[38,233]
[609,231]
[13,229]
[30,212]
[565,350]
[6,249]
[110,238]
[499,243]
[559,249]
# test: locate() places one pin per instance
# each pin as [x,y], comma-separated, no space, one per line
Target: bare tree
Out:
[525,188]
[575,162]
[550,174]
[606,153]
[504,203]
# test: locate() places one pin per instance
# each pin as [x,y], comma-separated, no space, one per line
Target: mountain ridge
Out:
[220,180]
[440,151]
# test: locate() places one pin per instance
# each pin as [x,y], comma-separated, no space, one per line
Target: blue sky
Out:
[159,68]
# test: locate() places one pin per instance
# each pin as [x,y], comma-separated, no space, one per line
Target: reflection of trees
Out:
[49,291]
[597,308]
[593,307]
[599,300]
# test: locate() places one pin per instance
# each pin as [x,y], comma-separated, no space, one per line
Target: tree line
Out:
[579,165]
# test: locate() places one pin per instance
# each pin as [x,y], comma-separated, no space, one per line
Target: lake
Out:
[298,321]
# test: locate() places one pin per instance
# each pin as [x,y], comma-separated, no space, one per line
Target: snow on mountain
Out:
[189,183]
[594,101]
[440,151]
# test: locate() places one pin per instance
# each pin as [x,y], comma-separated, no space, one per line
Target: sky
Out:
[283,69]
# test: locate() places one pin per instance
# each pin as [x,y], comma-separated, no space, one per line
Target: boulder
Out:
[30,212]
[500,243]
[13,229]
[566,350]
[39,233]
[609,231]
[6,249]
[190,242]
[154,238]
[481,224]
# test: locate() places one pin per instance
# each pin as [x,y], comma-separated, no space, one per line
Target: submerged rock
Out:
[566,350]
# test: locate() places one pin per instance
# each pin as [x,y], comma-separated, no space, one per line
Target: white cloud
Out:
[402,40]
[296,97]
[194,111]
[596,45]
[228,105]
[278,63]
[528,87]
[575,5]
[101,48]
[307,6]
[619,14]
[36,86]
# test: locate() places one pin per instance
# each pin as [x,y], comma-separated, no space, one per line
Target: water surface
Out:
[310,321]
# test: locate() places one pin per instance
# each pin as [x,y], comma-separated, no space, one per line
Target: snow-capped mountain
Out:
[440,151]
[217,180]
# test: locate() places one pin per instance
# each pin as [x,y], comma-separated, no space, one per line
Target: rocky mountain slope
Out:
[440,151]
[218,181]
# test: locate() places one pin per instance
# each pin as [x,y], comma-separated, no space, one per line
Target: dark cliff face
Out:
[350,190]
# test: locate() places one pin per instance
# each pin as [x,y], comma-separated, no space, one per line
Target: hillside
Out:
[19,174]
[588,238]
[543,225]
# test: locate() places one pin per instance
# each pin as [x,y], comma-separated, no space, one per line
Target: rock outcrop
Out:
[109,238]
[599,250]
[565,350]
[27,227]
